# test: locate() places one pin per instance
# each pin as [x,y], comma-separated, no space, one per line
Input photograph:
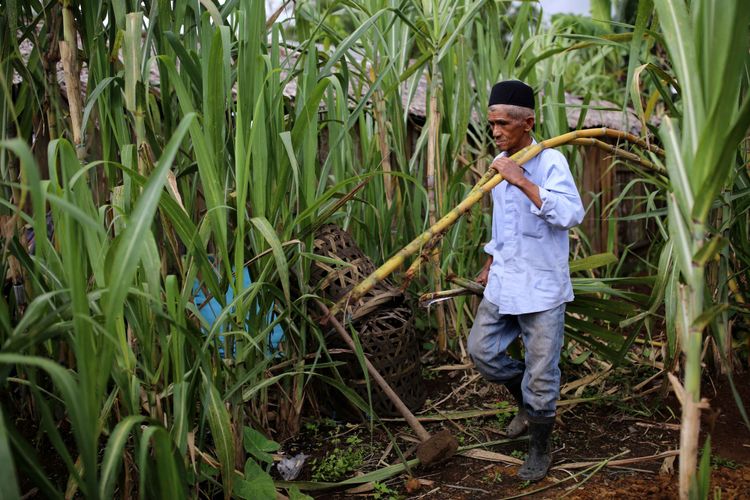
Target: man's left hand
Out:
[510,170]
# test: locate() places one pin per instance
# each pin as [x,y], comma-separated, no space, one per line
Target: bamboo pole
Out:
[485,185]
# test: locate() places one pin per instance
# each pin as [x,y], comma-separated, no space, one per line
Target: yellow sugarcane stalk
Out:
[632,157]
[482,187]
[733,286]
[585,137]
[426,253]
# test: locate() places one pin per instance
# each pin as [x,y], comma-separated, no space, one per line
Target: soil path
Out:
[618,427]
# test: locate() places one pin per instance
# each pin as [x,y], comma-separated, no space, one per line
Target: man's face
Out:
[510,134]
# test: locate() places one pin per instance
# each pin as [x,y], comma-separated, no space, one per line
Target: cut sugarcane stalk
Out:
[485,185]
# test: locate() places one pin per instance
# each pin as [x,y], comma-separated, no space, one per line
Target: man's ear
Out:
[529,124]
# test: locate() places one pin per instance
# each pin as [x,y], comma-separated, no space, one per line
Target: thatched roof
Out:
[598,114]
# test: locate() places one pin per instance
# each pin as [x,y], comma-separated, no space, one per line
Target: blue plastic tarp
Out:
[212,309]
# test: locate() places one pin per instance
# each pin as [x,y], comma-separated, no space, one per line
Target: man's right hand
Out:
[484,274]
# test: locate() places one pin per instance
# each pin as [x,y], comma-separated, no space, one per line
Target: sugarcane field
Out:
[376,249]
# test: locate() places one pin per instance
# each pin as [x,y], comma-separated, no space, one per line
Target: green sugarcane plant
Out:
[708,44]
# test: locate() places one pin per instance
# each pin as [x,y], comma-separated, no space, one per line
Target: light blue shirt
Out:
[529,245]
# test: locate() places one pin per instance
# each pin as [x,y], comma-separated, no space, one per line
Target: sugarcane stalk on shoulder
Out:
[586,137]
[428,249]
[485,185]
[632,157]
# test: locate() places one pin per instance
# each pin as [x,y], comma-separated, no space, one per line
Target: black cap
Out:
[512,92]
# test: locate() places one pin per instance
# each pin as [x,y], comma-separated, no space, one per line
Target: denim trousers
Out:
[542,334]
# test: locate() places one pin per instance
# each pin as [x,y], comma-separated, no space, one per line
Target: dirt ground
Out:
[637,432]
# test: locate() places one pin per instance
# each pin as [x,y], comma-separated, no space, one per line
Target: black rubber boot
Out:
[537,463]
[520,422]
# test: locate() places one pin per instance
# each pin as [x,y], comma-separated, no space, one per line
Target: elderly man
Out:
[526,276]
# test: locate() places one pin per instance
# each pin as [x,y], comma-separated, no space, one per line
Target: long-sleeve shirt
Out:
[529,246]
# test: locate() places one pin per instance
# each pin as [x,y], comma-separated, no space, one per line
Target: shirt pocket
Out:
[531,226]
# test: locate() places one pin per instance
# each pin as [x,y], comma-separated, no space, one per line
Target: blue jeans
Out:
[542,334]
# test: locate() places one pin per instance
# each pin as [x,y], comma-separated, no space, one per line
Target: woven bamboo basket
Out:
[390,342]
[335,281]
[385,328]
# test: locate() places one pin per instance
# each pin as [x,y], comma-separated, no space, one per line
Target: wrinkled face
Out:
[511,134]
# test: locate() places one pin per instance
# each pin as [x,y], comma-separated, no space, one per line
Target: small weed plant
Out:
[717,462]
[344,458]
[428,374]
[384,492]
[493,477]
[503,418]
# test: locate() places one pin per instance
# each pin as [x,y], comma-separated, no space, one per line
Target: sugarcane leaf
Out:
[592,343]
[93,98]
[186,230]
[683,319]
[8,475]
[701,322]
[214,101]
[187,61]
[69,388]
[221,430]
[581,357]
[592,262]
[309,111]
[158,463]
[709,250]
[700,483]
[30,173]
[215,196]
[377,475]
[113,454]
[249,392]
[350,394]
[589,328]
[169,469]
[682,240]
[349,41]
[721,142]
[467,17]
[676,166]
[127,253]
[296,494]
[670,311]
[679,36]
[604,308]
[645,9]
[282,266]
[132,57]
[662,80]
[720,29]
[738,400]
[26,459]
